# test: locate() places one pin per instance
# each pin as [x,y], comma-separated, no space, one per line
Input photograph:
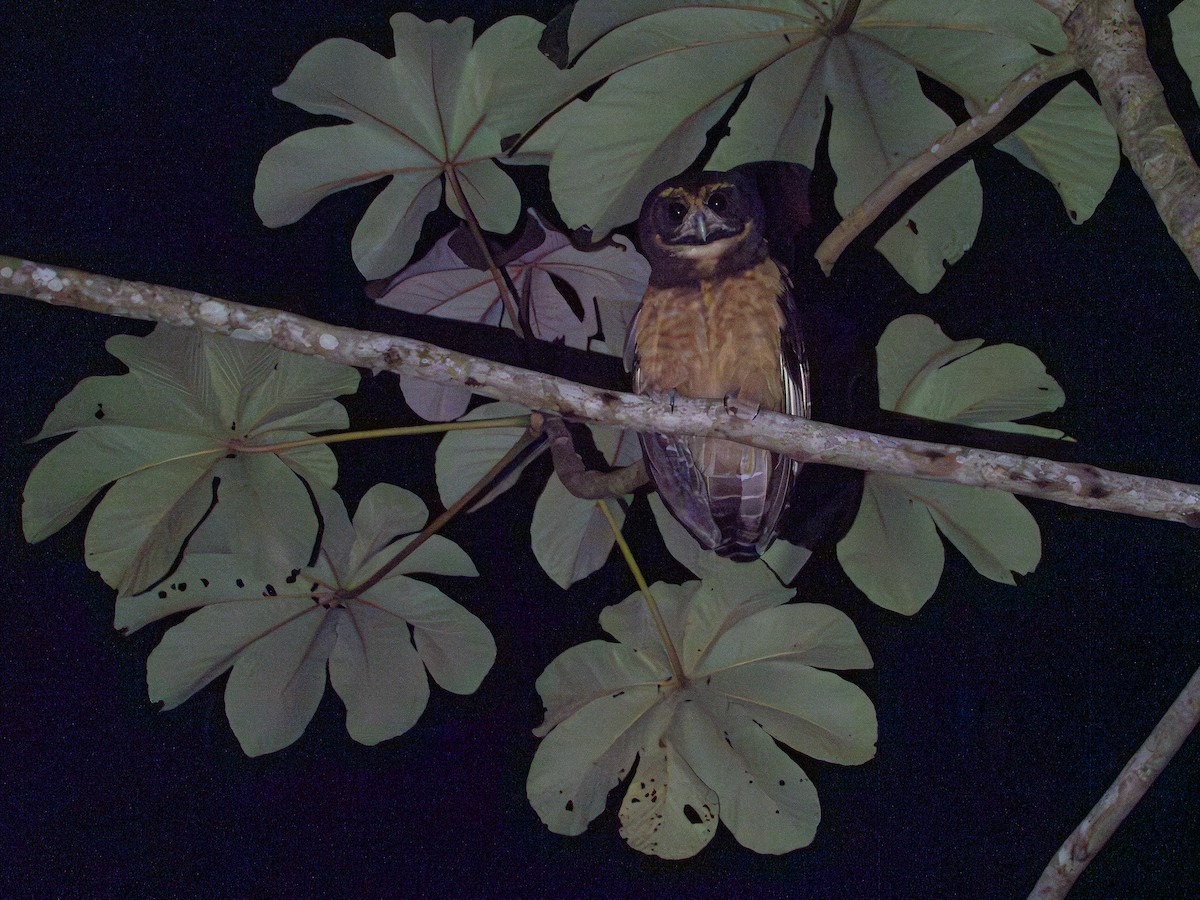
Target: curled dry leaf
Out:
[705,747]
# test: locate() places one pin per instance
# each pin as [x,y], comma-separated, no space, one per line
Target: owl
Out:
[718,321]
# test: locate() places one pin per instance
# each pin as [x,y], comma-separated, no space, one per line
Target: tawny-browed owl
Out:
[718,321]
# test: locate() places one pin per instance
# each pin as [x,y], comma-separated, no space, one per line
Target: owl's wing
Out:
[730,496]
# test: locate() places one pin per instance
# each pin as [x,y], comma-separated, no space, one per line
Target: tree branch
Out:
[1135,779]
[1108,39]
[859,218]
[1077,485]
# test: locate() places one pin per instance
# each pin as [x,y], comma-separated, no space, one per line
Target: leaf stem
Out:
[502,283]
[399,431]
[663,633]
[451,511]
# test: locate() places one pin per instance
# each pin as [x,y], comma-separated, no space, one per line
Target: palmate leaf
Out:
[464,457]
[170,437]
[569,294]
[892,551]
[673,69]
[438,108]
[706,749]
[279,631]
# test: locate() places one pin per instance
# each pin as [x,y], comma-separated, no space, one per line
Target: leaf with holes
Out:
[568,293]
[893,552]
[705,745]
[672,70]
[438,108]
[186,433]
[278,632]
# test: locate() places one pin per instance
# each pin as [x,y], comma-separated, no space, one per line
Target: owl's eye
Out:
[676,211]
[717,202]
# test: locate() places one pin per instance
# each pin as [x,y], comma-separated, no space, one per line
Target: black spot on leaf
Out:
[689,812]
[204,581]
[99,414]
[241,583]
[269,591]
[162,595]
[570,806]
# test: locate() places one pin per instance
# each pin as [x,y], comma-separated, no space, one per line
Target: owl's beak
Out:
[700,227]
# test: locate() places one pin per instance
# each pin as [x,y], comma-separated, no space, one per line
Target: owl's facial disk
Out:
[701,222]
[701,225]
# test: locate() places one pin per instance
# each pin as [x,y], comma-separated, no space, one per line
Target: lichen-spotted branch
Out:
[1077,485]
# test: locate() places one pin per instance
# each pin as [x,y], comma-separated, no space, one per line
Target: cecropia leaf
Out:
[893,552]
[169,436]
[704,743]
[280,630]
[436,110]
[673,69]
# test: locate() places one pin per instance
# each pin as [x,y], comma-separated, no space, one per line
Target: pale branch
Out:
[577,478]
[859,218]
[1077,485]
[1135,779]
[1109,41]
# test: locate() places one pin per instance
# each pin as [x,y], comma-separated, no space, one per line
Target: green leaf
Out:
[464,457]
[278,630]
[924,373]
[169,437]
[892,552]
[673,69]
[438,108]
[571,537]
[1185,33]
[706,746]
[1072,144]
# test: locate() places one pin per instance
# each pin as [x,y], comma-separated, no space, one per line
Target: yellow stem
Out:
[672,653]
[399,431]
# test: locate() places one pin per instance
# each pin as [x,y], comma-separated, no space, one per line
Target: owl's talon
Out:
[740,408]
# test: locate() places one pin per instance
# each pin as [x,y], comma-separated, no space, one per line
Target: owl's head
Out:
[701,225]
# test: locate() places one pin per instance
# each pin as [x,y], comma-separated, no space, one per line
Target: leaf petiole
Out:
[400,431]
[663,633]
[456,507]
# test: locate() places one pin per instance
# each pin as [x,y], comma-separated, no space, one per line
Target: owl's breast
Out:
[715,338]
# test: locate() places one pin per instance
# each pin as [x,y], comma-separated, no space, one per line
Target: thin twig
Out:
[1124,793]
[1077,485]
[859,218]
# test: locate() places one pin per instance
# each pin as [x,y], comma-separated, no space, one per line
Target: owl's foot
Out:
[742,408]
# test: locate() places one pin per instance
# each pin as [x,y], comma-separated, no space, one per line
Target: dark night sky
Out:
[129,147]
